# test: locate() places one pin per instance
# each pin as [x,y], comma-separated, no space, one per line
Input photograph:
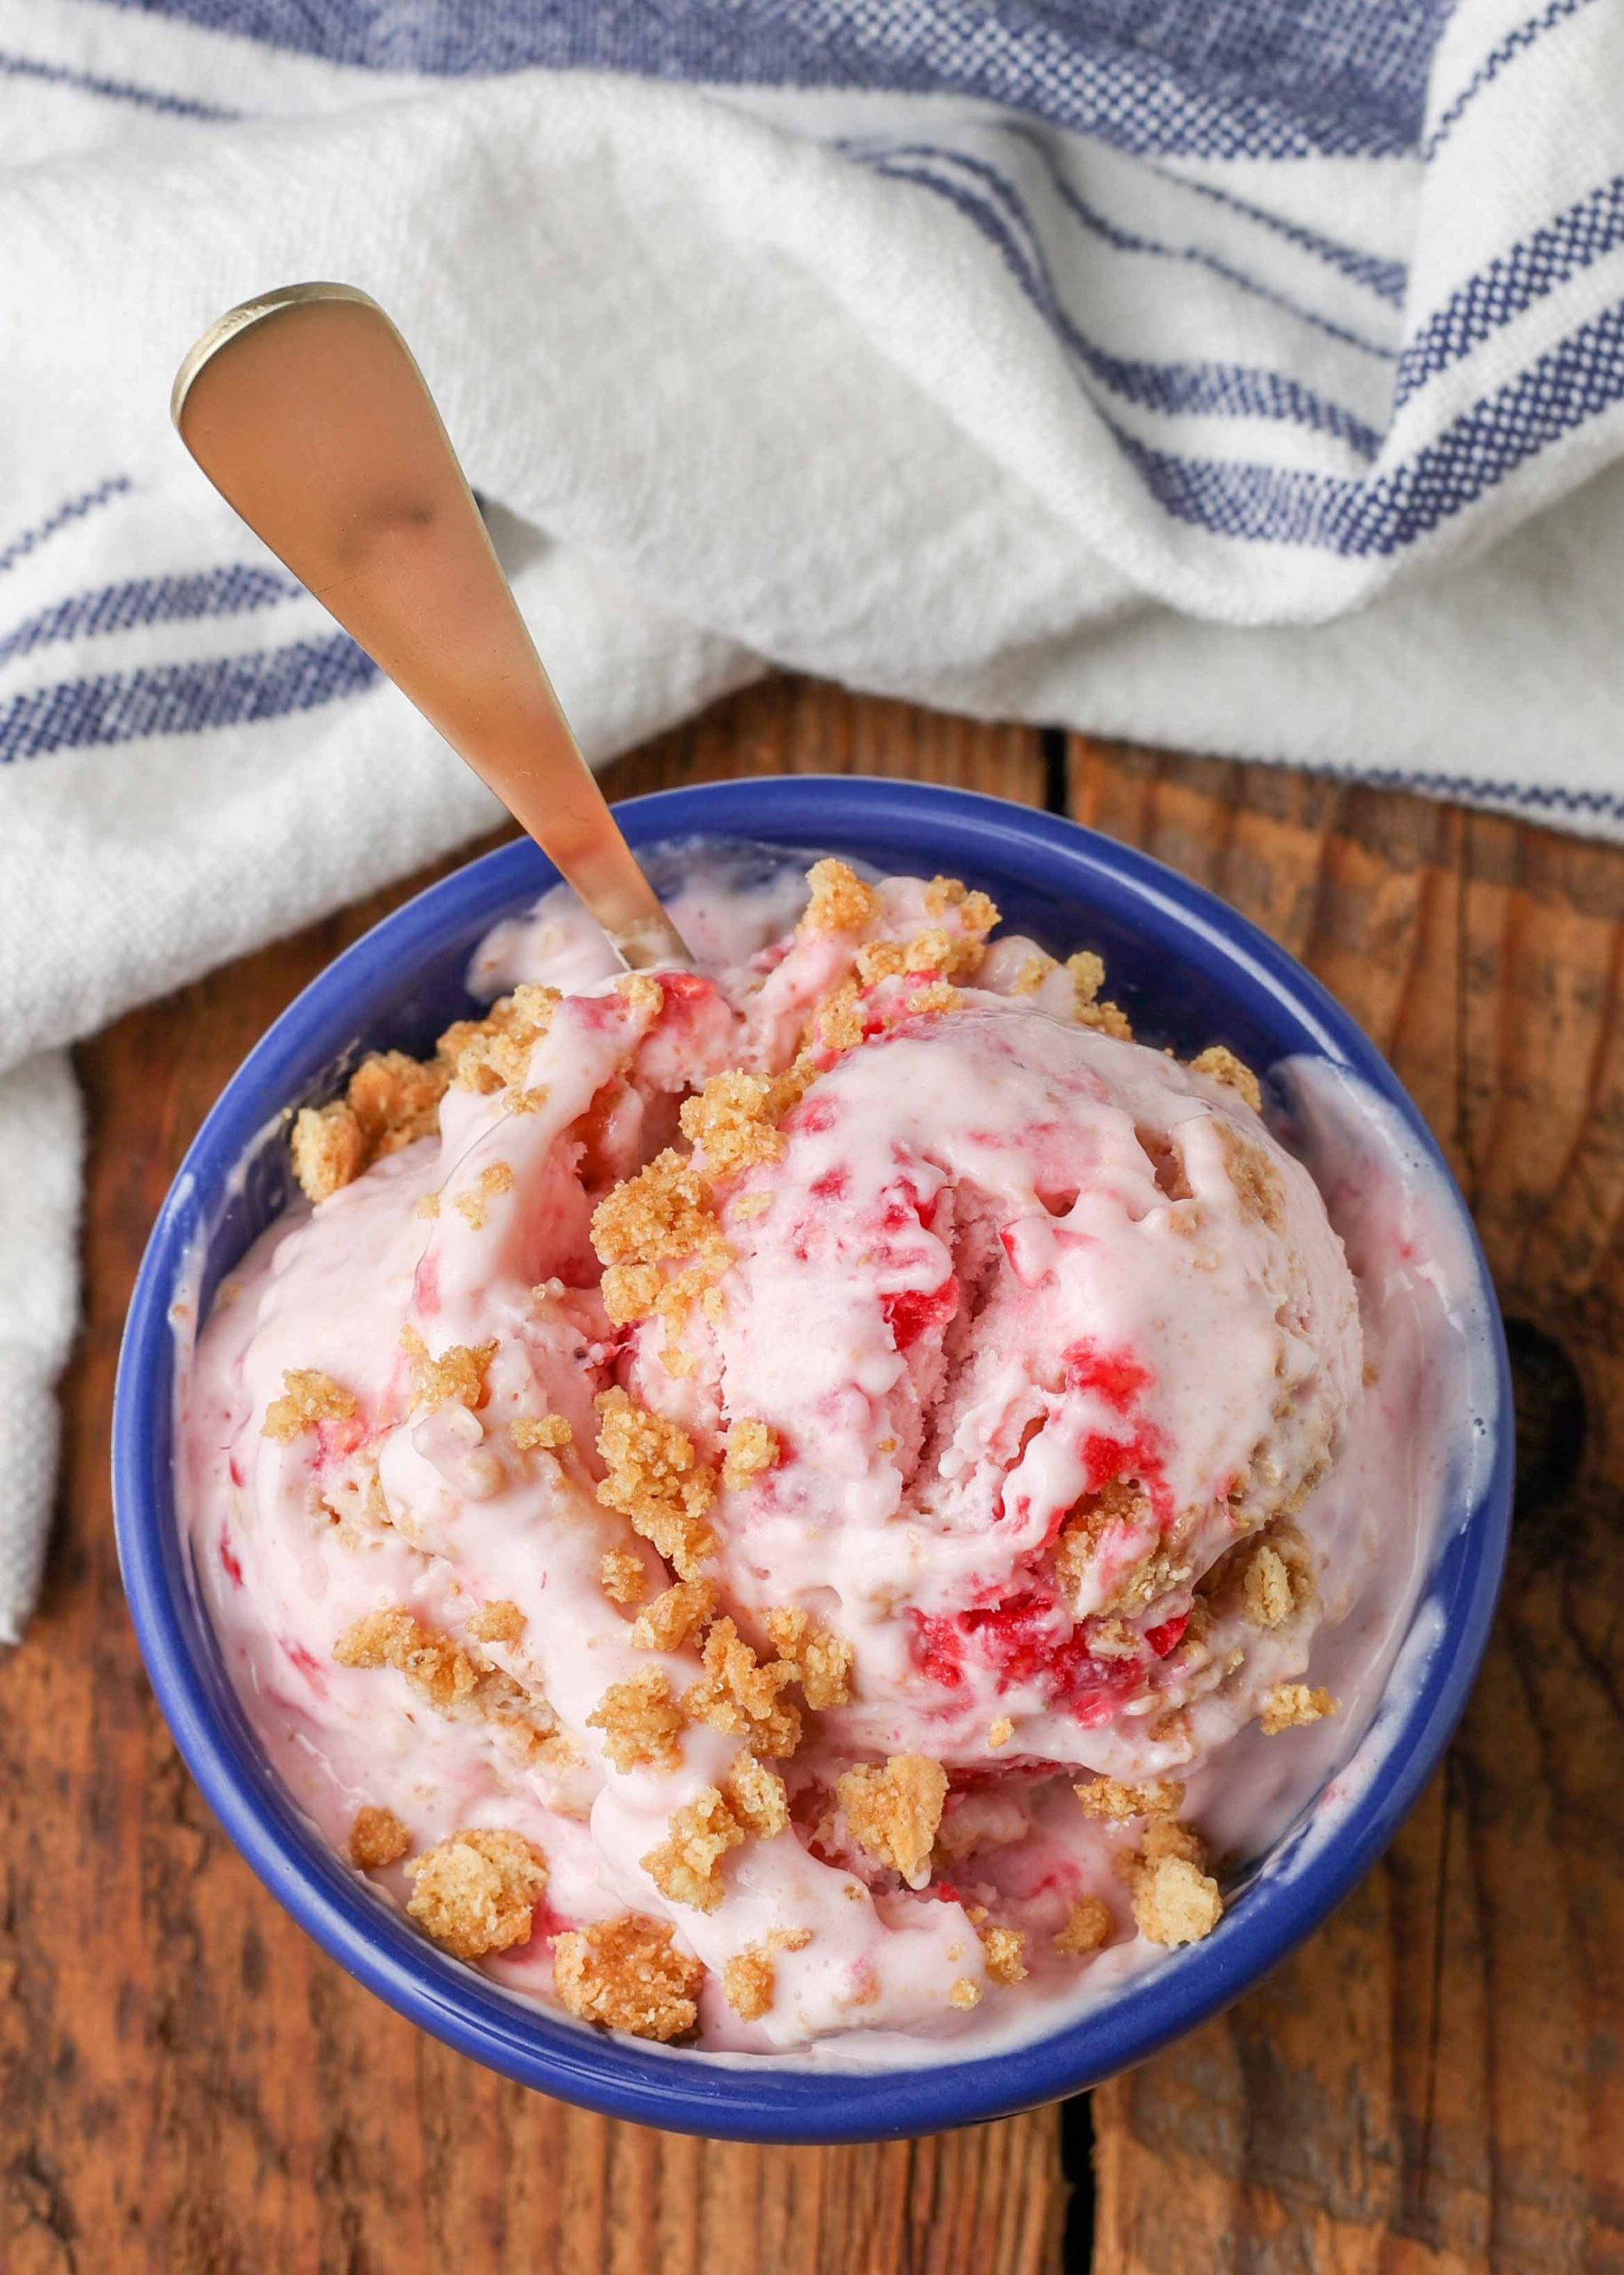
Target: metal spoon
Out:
[306,412]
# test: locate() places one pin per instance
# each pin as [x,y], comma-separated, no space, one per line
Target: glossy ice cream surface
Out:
[784,1503]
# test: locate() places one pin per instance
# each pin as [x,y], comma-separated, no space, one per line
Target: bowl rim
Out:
[681,2090]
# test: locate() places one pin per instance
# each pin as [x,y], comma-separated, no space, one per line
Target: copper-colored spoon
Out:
[306,412]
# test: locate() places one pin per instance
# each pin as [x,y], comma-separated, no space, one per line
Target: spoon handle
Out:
[306,412]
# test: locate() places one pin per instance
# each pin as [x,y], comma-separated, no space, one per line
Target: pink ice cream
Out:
[751,1512]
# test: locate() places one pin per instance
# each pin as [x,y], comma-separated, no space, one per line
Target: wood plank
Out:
[187,2085]
[1435,2084]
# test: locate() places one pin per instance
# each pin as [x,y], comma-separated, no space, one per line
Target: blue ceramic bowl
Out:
[1189,970]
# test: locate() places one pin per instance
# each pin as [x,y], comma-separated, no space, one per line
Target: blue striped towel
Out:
[1241,374]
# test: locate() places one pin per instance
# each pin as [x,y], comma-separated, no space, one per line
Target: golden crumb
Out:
[685,1868]
[378,1836]
[675,1616]
[788,1939]
[433,1665]
[747,1983]
[456,1377]
[641,992]
[475,1202]
[500,1621]
[1255,1178]
[494,1053]
[627,1974]
[1293,1706]
[1121,1501]
[1001,1733]
[1266,1588]
[426,1204]
[751,1448]
[329,1150]
[1087,972]
[622,1577]
[1221,1064]
[894,1813]
[752,1205]
[976,912]
[662,1213]
[657,1480]
[730,1123]
[548,1434]
[1116,1803]
[1003,1950]
[630,1291]
[477,1892]
[964,1994]
[740,1697]
[757,1797]
[307,1397]
[938,996]
[1175,1901]
[641,1722]
[390,1101]
[837,1022]
[822,1661]
[841,902]
[1036,969]
[1087,1928]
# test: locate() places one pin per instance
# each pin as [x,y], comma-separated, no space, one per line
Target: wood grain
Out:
[187,2085]
[1435,2084]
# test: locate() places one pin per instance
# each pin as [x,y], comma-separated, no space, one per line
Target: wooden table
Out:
[1436,2084]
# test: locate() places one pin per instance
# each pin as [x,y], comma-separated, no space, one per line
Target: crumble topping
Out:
[1255,1178]
[378,1836]
[821,1662]
[1220,1062]
[390,1101]
[740,1696]
[675,1616]
[1114,1803]
[730,1122]
[474,1204]
[494,1053]
[641,990]
[1004,1950]
[546,1433]
[500,1621]
[964,1994]
[1087,972]
[657,1480]
[641,1722]
[456,1377]
[630,1291]
[1175,1900]
[949,955]
[1121,1501]
[748,1983]
[894,1813]
[1087,1928]
[477,1892]
[622,1577]
[751,1448]
[627,1975]
[757,1797]
[307,1397]
[1267,1588]
[841,902]
[1001,1733]
[431,1664]
[660,1215]
[426,1204]
[1035,970]
[977,911]
[1292,1705]
[685,1867]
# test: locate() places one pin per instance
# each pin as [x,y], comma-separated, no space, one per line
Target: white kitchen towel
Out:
[1244,374]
